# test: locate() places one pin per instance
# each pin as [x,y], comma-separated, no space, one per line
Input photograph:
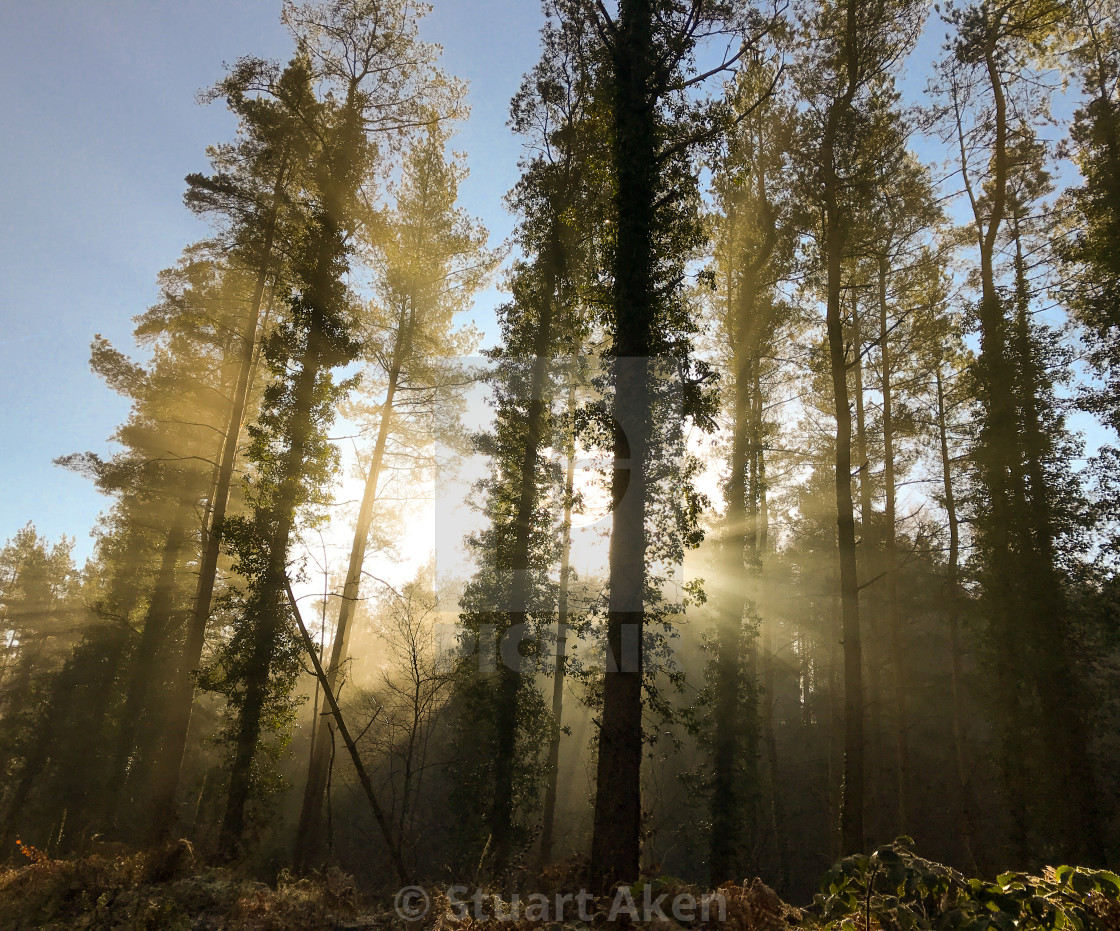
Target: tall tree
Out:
[846,75]
[433,261]
[754,250]
[248,193]
[988,99]
[1091,260]
[648,48]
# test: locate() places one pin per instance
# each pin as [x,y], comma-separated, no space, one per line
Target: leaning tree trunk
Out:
[311,812]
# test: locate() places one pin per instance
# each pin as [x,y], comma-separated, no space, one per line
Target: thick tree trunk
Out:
[616,831]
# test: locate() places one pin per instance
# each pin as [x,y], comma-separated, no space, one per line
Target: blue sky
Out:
[99,127]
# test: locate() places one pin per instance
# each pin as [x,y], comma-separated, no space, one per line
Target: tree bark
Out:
[965,796]
[549,816]
[616,831]
[890,567]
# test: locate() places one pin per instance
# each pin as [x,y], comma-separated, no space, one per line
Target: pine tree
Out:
[433,261]
[853,49]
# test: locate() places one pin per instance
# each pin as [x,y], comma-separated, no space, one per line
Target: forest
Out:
[775,537]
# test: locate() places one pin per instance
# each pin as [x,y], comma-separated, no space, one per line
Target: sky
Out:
[99,126]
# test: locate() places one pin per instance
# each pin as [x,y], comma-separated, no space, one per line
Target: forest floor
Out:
[168,888]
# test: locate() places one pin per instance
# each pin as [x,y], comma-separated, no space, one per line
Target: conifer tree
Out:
[846,75]
[432,261]
[754,250]
[987,99]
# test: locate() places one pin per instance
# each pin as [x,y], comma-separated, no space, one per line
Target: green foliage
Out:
[900,891]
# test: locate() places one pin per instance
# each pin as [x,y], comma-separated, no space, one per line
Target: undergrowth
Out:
[891,889]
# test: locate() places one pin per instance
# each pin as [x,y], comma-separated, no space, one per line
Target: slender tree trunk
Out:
[966,798]
[836,730]
[769,697]
[890,567]
[851,809]
[733,769]
[869,543]
[549,816]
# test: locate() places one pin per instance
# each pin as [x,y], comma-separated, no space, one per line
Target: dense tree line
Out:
[854,585]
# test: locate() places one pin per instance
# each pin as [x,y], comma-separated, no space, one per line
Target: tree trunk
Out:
[966,800]
[732,762]
[275,520]
[616,831]
[510,674]
[851,809]
[143,662]
[869,543]
[266,612]
[890,568]
[311,812]
[549,816]
[1064,710]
